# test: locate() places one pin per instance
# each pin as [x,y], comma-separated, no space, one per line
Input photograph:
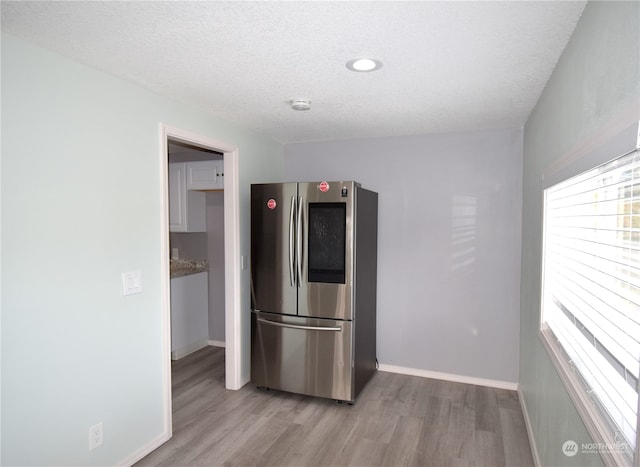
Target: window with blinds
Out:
[591,292]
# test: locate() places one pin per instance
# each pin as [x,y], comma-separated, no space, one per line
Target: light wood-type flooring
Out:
[398,420]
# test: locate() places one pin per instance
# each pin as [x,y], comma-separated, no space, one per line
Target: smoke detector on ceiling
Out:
[301,104]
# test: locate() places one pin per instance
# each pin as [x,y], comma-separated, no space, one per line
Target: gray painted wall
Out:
[449,244]
[190,245]
[592,95]
[215,255]
[81,203]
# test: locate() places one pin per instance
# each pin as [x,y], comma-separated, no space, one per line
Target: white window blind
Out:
[591,286]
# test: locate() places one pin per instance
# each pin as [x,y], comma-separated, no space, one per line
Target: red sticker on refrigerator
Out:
[271,204]
[323,187]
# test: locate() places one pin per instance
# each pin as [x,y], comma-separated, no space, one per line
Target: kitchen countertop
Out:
[186,267]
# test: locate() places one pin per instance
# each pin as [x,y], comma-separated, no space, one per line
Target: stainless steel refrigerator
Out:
[313,287]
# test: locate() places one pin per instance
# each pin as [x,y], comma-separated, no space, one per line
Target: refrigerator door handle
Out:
[299,326]
[299,235]
[291,241]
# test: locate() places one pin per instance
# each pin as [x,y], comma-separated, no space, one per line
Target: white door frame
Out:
[233,360]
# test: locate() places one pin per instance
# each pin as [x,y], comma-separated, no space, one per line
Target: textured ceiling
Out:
[448,66]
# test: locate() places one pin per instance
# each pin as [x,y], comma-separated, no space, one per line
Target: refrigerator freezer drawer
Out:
[302,355]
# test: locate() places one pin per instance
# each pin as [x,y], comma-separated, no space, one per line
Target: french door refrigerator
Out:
[313,287]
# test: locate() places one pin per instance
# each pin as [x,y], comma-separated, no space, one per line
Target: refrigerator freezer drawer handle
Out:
[297,326]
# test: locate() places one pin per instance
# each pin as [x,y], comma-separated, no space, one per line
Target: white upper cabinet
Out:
[177,197]
[187,208]
[205,175]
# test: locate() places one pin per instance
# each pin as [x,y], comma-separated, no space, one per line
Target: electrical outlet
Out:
[95,436]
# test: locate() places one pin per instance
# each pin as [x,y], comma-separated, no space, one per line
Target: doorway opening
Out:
[180,147]
[196,247]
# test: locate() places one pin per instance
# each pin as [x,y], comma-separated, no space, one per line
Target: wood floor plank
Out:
[366,453]
[252,452]
[329,438]
[515,441]
[487,418]
[398,420]
[460,432]
[437,446]
[378,429]
[507,399]
[488,449]
[404,442]
[221,451]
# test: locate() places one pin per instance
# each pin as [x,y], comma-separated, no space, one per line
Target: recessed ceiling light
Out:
[364,64]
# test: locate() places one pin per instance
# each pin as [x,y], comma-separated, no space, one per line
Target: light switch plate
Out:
[131,283]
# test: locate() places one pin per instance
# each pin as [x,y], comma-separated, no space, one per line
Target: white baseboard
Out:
[144,451]
[527,423]
[449,377]
[177,354]
[216,343]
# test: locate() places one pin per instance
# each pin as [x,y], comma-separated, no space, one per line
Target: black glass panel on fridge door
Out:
[326,245]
